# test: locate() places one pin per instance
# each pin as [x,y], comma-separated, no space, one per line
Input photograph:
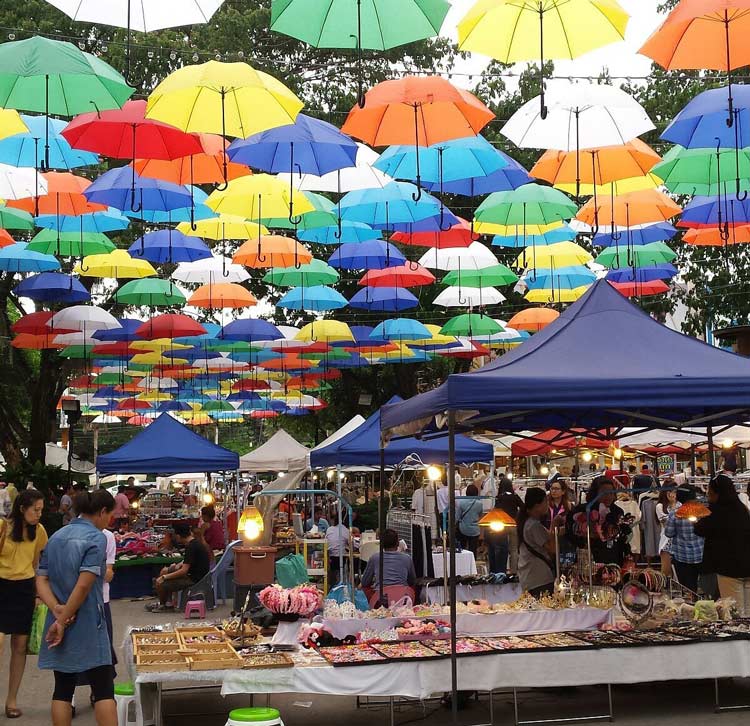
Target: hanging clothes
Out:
[650,527]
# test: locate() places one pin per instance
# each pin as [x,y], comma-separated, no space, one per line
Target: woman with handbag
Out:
[22,540]
[536,545]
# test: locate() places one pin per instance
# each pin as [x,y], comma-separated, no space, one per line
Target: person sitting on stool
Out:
[398,568]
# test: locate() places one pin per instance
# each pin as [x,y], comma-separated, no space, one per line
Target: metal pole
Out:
[381,520]
[452,557]
[711,462]
[340,521]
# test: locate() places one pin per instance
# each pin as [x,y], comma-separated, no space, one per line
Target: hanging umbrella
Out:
[419,110]
[641,289]
[636,235]
[511,176]
[272,251]
[315,272]
[110,221]
[494,275]
[52,287]
[468,297]
[398,276]
[119,188]
[704,171]
[560,254]
[11,123]
[458,235]
[718,236]
[19,183]
[223,227]
[513,30]
[209,271]
[70,244]
[170,325]
[116,264]
[338,234]
[6,239]
[570,276]
[258,197]
[402,329]
[250,330]
[24,149]
[373,255]
[364,25]
[317,298]
[529,204]
[650,254]
[384,299]
[634,208]
[54,77]
[704,211]
[169,246]
[470,325]
[18,258]
[16,219]
[517,239]
[649,272]
[533,319]
[82,317]
[473,257]
[328,330]
[322,214]
[556,296]
[215,296]
[149,292]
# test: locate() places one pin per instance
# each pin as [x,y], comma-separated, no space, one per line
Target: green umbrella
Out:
[529,204]
[15,218]
[358,24]
[70,244]
[471,324]
[322,215]
[315,272]
[112,379]
[700,171]
[492,276]
[79,352]
[149,291]
[231,346]
[54,77]
[219,405]
[329,355]
[656,253]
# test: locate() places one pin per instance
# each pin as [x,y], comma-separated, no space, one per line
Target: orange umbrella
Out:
[272,250]
[31,341]
[5,239]
[717,237]
[288,363]
[64,196]
[627,210]
[596,166]
[222,295]
[205,168]
[533,319]
[416,110]
[641,289]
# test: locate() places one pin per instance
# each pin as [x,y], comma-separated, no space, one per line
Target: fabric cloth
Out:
[66,507]
[4,503]
[649,525]
[421,551]
[110,559]
[686,545]
[122,506]
[468,514]
[17,559]
[609,536]
[739,590]
[398,569]
[629,506]
[493,594]
[79,547]
[214,535]
[338,537]
[423,501]
[727,534]
[533,570]
[17,597]
[443,499]
[197,557]
[466,563]
[662,516]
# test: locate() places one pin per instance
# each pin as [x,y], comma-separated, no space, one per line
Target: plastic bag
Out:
[37,629]
[291,571]
[342,593]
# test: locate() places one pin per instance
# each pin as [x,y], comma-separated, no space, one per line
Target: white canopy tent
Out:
[281,453]
[350,425]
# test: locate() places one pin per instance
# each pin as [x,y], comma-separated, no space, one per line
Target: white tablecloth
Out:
[493,594]
[465,563]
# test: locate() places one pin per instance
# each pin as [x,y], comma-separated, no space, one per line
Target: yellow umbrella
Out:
[437,337]
[622,186]
[11,123]
[225,226]
[199,419]
[154,396]
[231,99]
[157,344]
[555,296]
[559,254]
[508,230]
[258,197]
[156,359]
[329,330]
[117,264]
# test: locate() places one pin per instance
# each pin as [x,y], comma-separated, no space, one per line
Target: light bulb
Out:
[252,530]
[433,473]
[617,454]
[208,498]
[692,519]
[544,470]
[497,526]
[727,443]
[587,456]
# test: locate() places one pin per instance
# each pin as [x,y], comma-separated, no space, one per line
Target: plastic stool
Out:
[195,607]
[124,696]
[255,716]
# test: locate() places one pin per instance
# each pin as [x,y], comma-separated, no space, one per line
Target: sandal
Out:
[13,712]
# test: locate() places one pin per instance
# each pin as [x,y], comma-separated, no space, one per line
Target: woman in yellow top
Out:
[22,540]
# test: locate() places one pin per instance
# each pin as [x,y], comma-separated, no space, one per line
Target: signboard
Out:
[666,462]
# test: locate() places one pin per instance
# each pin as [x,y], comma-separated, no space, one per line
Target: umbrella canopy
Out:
[560,254]
[473,257]
[529,204]
[718,236]
[210,270]
[250,330]
[149,292]
[222,295]
[457,235]
[272,251]
[636,235]
[123,188]
[19,183]
[641,289]
[56,193]
[366,256]
[650,273]
[650,254]
[18,258]
[231,99]
[110,221]
[533,319]
[468,297]
[337,234]
[258,197]
[52,287]
[116,264]
[383,299]
[629,209]
[169,325]
[704,171]
[316,298]
[15,219]
[11,123]
[169,245]
[484,277]
[471,324]
[223,227]
[82,317]
[326,330]
[402,329]
[316,272]
[69,244]
[398,276]
[517,239]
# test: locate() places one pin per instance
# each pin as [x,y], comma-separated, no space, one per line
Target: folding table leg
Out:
[571,719]
[718,708]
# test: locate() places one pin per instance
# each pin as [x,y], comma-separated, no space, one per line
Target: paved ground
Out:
[666,704]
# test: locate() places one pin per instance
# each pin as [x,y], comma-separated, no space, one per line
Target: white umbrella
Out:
[21,182]
[77,338]
[210,271]
[83,317]
[468,297]
[224,363]
[159,383]
[362,176]
[580,116]
[474,257]
[105,418]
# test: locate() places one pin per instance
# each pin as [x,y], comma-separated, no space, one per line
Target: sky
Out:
[621,59]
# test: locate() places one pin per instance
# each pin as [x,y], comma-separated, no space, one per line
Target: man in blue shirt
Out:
[686,548]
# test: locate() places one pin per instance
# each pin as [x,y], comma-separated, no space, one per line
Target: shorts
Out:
[101,679]
[176,584]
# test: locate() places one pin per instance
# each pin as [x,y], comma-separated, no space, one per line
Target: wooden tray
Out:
[215,661]
[161,663]
[274,660]
[141,639]
[184,634]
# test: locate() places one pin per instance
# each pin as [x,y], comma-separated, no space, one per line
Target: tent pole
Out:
[452,558]
[381,519]
[711,462]
[239,500]
[340,522]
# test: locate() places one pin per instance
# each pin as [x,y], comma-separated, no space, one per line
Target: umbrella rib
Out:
[380,25]
[562,26]
[322,25]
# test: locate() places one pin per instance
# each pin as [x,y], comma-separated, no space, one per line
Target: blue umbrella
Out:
[110,221]
[383,207]
[173,406]
[243,395]
[518,241]
[27,149]
[710,211]
[173,216]
[124,189]
[349,232]
[316,298]
[169,245]
[53,287]
[509,177]
[255,357]
[249,329]
[16,258]
[635,236]
[384,299]
[374,255]
[664,271]
[401,329]
[125,332]
[440,222]
[563,278]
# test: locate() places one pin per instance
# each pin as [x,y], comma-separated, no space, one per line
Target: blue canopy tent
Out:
[167,447]
[361,447]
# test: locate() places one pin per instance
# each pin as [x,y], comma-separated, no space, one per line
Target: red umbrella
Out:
[641,289]
[36,324]
[169,325]
[250,384]
[545,441]
[132,404]
[263,414]
[400,276]
[117,348]
[477,351]
[459,235]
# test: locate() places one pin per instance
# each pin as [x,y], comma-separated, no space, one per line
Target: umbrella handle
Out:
[221,187]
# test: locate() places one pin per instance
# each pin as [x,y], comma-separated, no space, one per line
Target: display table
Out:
[135,577]
[465,563]
[493,594]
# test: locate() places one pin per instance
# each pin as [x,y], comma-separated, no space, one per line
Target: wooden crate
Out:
[161,663]
[167,637]
[268,660]
[184,635]
[215,660]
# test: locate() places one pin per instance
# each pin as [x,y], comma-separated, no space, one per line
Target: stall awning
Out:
[281,452]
